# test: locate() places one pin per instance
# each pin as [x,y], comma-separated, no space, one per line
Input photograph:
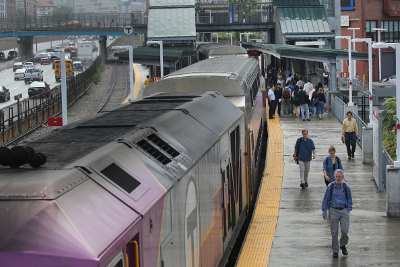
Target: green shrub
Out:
[389,127]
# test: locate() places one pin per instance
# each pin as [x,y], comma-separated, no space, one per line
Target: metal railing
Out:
[358,85]
[72,21]
[237,14]
[338,106]
[361,124]
[26,115]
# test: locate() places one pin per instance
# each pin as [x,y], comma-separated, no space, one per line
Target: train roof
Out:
[226,74]
[214,50]
[102,176]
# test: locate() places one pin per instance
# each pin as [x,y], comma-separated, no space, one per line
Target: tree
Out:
[389,127]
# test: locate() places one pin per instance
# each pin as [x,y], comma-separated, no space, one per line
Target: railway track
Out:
[119,89]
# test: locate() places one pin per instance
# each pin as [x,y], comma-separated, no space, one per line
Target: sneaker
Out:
[335,255]
[306,184]
[344,251]
[302,186]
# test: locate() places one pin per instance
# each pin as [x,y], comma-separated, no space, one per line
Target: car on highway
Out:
[12,54]
[19,74]
[29,65]
[77,66]
[4,95]
[2,56]
[33,74]
[18,65]
[42,58]
[39,89]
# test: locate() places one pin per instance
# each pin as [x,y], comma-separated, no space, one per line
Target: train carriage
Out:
[155,183]
[238,79]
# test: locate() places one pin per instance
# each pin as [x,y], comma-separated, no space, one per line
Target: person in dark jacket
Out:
[330,165]
[304,100]
[278,98]
[304,152]
[320,103]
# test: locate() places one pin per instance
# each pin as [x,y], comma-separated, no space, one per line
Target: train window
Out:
[121,178]
[118,261]
[163,145]
[154,152]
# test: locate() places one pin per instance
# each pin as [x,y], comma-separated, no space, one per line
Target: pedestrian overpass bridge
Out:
[209,18]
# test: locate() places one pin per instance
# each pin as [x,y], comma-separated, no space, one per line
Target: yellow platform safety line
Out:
[138,86]
[257,246]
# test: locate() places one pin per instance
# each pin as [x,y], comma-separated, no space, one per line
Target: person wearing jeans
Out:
[339,203]
[304,108]
[304,153]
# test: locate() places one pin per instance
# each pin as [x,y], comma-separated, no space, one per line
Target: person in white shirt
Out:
[308,87]
[271,101]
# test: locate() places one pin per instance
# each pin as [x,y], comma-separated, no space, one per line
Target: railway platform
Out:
[298,236]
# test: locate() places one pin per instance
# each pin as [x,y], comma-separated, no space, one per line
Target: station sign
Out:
[128,30]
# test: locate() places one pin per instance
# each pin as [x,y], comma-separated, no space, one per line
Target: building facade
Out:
[368,15]
[27,7]
[45,8]
[108,6]
[7,9]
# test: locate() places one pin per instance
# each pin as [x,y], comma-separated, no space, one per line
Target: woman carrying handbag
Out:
[331,163]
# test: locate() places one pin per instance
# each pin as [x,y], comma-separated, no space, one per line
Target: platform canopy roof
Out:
[299,18]
[304,53]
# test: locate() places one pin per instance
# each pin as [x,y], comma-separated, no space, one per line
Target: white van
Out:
[19,75]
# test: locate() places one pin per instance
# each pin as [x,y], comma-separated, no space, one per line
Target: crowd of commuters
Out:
[290,95]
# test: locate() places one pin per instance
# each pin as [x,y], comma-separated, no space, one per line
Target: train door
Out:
[132,253]
[228,200]
[236,171]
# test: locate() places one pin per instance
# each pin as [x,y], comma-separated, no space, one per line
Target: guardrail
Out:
[361,124]
[338,106]
[73,22]
[358,85]
[27,115]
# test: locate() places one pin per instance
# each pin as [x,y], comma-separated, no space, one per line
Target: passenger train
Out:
[165,181]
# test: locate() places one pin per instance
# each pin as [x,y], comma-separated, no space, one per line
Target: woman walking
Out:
[330,165]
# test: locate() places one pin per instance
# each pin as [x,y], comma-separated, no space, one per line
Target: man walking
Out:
[304,108]
[349,134]
[271,101]
[339,203]
[304,152]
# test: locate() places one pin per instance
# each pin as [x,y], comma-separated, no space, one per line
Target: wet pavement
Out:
[302,237]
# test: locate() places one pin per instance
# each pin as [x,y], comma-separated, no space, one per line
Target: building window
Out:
[391,33]
[348,5]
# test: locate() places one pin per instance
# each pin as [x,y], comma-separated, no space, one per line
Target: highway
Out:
[19,87]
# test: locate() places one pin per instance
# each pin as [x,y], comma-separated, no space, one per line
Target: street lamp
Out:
[369,42]
[396,46]
[160,43]
[379,30]
[348,38]
[353,30]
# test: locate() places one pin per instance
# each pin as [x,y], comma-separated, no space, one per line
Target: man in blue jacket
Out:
[339,203]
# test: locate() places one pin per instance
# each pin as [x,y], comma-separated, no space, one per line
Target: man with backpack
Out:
[304,152]
[338,201]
